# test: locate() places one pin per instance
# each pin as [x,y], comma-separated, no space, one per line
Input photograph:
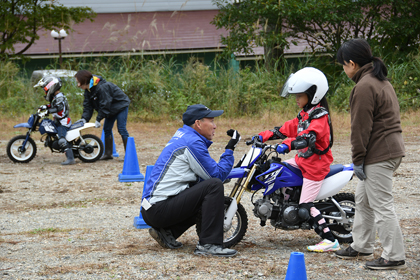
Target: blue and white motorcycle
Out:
[22,148]
[280,183]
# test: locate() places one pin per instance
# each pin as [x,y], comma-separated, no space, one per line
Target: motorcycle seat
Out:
[76,125]
[334,169]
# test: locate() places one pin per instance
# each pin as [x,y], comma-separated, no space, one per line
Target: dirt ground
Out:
[76,222]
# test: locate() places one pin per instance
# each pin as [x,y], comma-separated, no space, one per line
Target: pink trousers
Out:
[310,190]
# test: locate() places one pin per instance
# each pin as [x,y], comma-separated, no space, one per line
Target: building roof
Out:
[132,6]
[135,32]
[141,33]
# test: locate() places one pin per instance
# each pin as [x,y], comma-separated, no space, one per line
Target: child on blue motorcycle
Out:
[311,134]
[59,107]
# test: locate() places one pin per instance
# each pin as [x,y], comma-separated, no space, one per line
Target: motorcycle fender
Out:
[332,185]
[230,213]
[236,173]
[75,133]
[25,125]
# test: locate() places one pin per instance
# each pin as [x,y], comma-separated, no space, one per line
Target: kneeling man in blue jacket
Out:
[186,179]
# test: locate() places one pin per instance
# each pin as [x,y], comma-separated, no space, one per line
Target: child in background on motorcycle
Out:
[311,134]
[59,107]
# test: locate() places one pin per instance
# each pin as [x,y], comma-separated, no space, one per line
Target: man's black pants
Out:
[178,213]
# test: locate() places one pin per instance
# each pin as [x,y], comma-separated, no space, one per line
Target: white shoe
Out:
[325,246]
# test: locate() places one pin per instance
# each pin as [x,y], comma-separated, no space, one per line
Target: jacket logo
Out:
[179,134]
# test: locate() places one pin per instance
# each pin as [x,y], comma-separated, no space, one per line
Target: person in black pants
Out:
[110,102]
[185,179]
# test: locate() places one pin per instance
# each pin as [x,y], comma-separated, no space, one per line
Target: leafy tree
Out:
[20,20]
[389,24]
[399,27]
[323,25]
[326,24]
[252,24]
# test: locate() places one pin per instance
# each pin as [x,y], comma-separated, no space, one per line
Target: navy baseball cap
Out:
[197,112]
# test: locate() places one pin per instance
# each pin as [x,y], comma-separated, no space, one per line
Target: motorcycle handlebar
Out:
[258,144]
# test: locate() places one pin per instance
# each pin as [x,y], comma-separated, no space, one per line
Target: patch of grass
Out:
[47,231]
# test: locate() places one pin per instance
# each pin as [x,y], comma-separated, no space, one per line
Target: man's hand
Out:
[97,124]
[82,121]
[235,139]
[43,107]
[358,170]
[282,149]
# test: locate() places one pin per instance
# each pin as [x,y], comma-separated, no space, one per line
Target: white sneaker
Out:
[325,246]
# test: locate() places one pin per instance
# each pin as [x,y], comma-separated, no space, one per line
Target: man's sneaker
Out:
[164,238]
[325,246]
[214,250]
[382,263]
[350,253]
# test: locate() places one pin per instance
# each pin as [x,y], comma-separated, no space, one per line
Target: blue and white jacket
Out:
[184,162]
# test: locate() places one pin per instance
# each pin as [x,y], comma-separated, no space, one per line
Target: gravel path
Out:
[77,223]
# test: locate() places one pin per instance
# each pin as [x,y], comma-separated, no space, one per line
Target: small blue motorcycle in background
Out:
[281,184]
[22,148]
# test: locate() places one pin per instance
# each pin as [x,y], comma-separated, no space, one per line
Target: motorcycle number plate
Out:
[252,154]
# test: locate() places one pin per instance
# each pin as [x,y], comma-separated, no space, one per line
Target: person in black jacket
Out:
[109,101]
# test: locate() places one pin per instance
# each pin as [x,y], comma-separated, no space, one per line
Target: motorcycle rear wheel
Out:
[343,233]
[15,153]
[92,151]
[236,231]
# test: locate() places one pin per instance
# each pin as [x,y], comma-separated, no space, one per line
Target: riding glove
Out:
[97,124]
[282,149]
[257,138]
[358,170]
[43,107]
[235,139]
[272,134]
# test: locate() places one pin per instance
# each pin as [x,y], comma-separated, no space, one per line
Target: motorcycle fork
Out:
[236,196]
[28,135]
[239,188]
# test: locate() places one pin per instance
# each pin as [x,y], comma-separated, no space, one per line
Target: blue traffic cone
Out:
[114,150]
[296,269]
[138,221]
[131,169]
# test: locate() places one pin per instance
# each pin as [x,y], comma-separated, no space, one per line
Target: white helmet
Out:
[302,80]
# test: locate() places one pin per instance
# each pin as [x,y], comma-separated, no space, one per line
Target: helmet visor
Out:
[284,92]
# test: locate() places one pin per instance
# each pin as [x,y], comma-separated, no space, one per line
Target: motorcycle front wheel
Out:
[235,232]
[16,152]
[93,149]
[343,231]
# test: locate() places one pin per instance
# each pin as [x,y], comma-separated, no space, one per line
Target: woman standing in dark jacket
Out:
[377,150]
[109,101]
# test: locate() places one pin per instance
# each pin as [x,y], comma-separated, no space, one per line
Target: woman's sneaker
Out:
[325,246]
[350,253]
[382,263]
